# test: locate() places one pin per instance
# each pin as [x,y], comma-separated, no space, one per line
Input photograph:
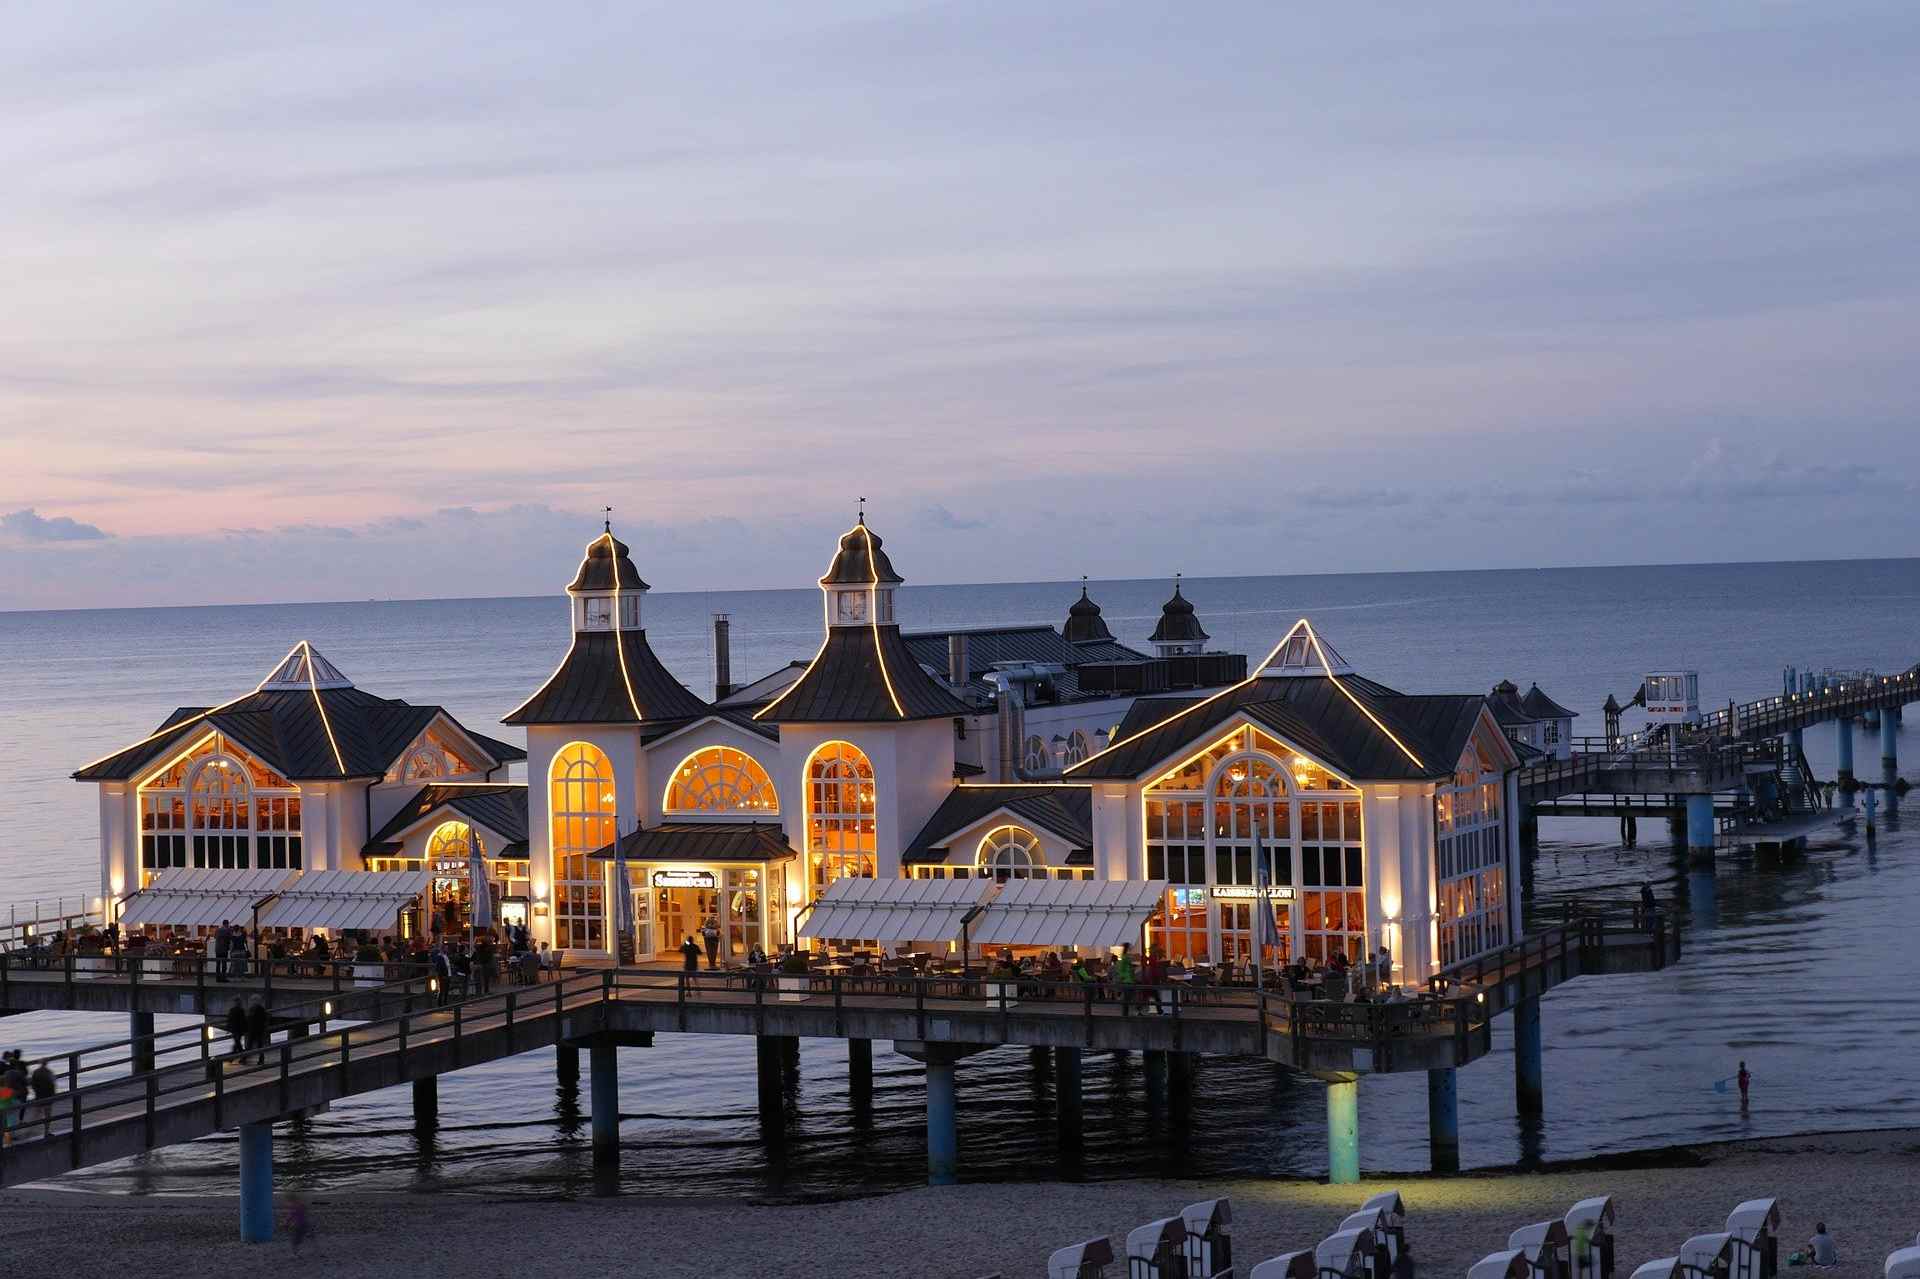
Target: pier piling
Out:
[605,1085]
[860,1067]
[1443,1120]
[1154,1062]
[1529,1087]
[256,1182]
[1700,829]
[426,1102]
[1890,746]
[1343,1130]
[1066,1075]
[943,1136]
[1843,742]
[566,1063]
[140,1031]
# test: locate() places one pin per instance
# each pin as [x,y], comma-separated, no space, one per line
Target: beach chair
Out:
[1374,1222]
[1509,1264]
[1548,1250]
[1393,1218]
[1209,1226]
[1087,1260]
[1755,1227]
[1706,1254]
[1348,1253]
[1288,1265]
[1594,1217]
[1904,1263]
[1157,1250]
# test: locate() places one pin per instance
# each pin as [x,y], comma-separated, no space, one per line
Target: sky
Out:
[352,301]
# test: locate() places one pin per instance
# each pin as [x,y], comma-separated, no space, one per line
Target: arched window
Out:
[1078,747]
[720,779]
[581,812]
[1011,852]
[1034,755]
[219,814]
[453,841]
[840,815]
[424,764]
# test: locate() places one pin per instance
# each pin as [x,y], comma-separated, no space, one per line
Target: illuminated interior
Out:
[431,756]
[582,815]
[1471,859]
[720,779]
[840,816]
[214,805]
[1249,808]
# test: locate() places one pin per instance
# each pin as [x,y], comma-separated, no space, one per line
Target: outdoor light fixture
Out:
[326,1009]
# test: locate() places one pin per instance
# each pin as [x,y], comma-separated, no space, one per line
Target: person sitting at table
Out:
[1051,969]
[1338,965]
[1081,974]
[755,955]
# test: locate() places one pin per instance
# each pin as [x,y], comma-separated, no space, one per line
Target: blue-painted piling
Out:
[1843,741]
[1343,1132]
[943,1136]
[256,1182]
[1443,1120]
[604,1062]
[1529,1073]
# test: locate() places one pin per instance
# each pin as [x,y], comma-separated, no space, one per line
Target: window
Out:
[720,779]
[1248,805]
[581,812]
[220,807]
[1550,732]
[1470,858]
[432,756]
[840,815]
[1078,748]
[1034,755]
[424,765]
[1011,852]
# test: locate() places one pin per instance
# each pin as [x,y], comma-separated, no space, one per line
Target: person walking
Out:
[237,1026]
[11,1099]
[484,958]
[710,938]
[1156,977]
[41,1081]
[689,955]
[259,1032]
[222,942]
[1123,976]
[443,975]
[463,967]
[1647,904]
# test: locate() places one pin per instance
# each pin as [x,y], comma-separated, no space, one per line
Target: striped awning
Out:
[342,899]
[1093,913]
[895,910]
[193,896]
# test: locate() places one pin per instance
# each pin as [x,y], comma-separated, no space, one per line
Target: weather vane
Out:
[608,522]
[863,510]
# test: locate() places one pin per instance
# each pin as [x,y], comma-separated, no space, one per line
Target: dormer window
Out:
[851,606]
[597,612]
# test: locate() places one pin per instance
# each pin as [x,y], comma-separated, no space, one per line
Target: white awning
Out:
[342,899]
[894,910]
[1094,913]
[189,897]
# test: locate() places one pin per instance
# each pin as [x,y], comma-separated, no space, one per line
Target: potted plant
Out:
[1003,984]
[90,956]
[793,980]
[369,965]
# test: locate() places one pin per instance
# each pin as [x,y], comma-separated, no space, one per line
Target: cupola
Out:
[859,583]
[607,586]
[1179,630]
[1084,623]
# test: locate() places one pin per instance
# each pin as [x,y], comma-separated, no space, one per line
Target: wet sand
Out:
[1866,1186]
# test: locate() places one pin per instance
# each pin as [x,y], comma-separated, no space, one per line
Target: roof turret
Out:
[860,561]
[1178,624]
[606,567]
[1084,623]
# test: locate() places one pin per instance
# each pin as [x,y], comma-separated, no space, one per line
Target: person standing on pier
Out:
[43,1089]
[237,1026]
[222,943]
[258,1030]
[710,938]
[690,955]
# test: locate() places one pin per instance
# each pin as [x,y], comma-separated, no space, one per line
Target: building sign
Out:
[683,879]
[1247,892]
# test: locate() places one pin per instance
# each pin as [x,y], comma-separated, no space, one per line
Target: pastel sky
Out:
[323,302]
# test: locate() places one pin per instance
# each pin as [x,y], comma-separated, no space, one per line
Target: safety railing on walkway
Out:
[204,975]
[27,921]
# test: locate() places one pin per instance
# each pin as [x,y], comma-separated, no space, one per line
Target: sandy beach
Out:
[1866,1186]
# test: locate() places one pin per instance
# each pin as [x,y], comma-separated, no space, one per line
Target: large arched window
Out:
[840,815]
[453,841]
[1034,756]
[581,813]
[1246,809]
[1011,852]
[1078,748]
[720,779]
[215,806]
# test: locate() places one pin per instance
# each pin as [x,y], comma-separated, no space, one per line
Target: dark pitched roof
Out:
[1540,706]
[704,842]
[1505,704]
[1036,642]
[1178,624]
[304,735]
[860,561]
[502,809]
[1065,810]
[1148,711]
[1318,717]
[1084,623]
[605,563]
[862,674]
[588,687]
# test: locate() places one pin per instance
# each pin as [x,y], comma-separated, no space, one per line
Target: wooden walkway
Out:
[196,1089]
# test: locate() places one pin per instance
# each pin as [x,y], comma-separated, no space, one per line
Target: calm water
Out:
[1785,967]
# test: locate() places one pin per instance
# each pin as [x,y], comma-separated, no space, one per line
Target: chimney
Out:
[957,660]
[1010,715]
[722,656]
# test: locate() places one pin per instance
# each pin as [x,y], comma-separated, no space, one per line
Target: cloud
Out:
[28,525]
[1353,499]
[938,516]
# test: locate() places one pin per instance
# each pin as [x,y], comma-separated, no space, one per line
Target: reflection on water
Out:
[1785,959]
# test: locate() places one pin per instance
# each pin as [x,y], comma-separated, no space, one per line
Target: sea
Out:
[1801,969]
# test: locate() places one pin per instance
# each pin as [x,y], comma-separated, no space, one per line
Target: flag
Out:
[622,890]
[1265,933]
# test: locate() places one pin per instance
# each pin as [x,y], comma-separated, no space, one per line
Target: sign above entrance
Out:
[1246,892]
[683,879]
